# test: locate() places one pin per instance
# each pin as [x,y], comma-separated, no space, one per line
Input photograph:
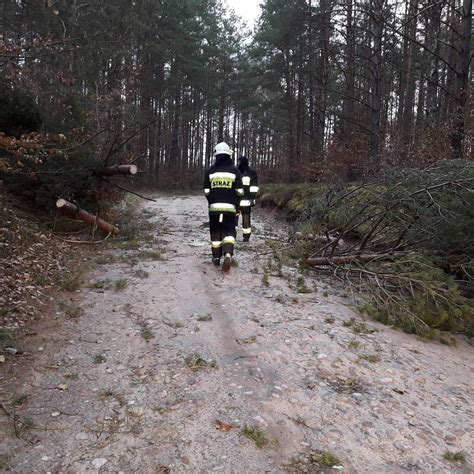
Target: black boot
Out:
[227,262]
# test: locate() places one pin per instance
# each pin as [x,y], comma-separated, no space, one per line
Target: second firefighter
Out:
[250,184]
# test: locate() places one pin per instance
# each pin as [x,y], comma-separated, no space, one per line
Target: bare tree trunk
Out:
[349,103]
[220,129]
[377,19]
[433,25]
[462,79]
[407,113]
[289,95]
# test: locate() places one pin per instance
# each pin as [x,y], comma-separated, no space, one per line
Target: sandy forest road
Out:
[285,363]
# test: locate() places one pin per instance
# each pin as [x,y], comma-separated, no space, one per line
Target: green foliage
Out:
[266,277]
[372,358]
[147,334]
[196,362]
[103,284]
[68,282]
[151,255]
[459,456]
[141,274]
[430,209]
[324,459]
[43,181]
[358,327]
[20,400]
[423,300]
[70,311]
[6,338]
[99,359]
[354,344]
[107,284]
[301,286]
[120,284]
[429,215]
[255,434]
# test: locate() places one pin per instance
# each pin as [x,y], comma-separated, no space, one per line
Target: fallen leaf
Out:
[222,426]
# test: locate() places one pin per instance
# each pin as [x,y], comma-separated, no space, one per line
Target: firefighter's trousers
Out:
[222,226]
[246,212]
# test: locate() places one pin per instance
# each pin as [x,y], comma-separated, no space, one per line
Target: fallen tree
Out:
[118,170]
[405,239]
[76,212]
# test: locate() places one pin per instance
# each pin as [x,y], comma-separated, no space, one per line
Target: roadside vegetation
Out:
[403,240]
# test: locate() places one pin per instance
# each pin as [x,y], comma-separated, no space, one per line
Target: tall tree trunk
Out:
[462,79]
[348,108]
[376,93]
[433,25]
[175,129]
[220,129]
[408,92]
[289,98]
[322,75]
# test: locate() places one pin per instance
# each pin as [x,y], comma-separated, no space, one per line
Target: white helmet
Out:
[222,149]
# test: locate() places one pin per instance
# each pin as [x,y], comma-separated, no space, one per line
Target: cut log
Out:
[118,170]
[75,211]
[344,260]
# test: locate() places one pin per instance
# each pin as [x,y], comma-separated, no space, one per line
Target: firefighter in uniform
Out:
[250,183]
[223,189]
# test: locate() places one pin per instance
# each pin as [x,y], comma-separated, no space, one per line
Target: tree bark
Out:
[409,87]
[118,170]
[462,76]
[74,211]
[377,19]
[348,104]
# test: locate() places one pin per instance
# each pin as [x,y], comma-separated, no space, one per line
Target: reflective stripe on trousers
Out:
[216,244]
[222,207]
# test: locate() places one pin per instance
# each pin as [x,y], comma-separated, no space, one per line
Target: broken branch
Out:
[344,260]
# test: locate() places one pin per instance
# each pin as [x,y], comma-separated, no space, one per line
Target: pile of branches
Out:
[406,239]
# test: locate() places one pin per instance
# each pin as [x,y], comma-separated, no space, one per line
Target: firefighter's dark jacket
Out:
[223,186]
[249,181]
